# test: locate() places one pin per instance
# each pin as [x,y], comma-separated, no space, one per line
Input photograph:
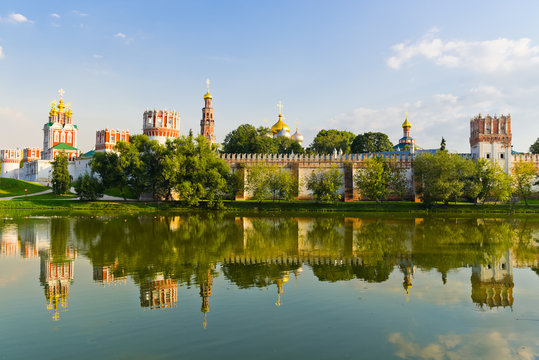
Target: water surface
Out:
[218,286]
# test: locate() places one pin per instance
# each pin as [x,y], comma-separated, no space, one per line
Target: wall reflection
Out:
[161,254]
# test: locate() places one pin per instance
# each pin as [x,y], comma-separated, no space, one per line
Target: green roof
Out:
[89,154]
[64,146]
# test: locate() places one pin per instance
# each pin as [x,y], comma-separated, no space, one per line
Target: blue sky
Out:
[351,65]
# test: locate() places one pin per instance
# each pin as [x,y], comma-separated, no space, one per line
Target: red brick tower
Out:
[206,124]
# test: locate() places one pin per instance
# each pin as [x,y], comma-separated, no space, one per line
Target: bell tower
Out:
[207,124]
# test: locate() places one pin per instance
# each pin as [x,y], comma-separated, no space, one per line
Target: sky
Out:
[348,65]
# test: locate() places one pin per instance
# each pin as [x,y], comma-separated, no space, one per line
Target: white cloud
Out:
[488,56]
[2,52]
[483,344]
[16,19]
[446,98]
[76,12]
[97,56]
[124,37]
[432,117]
[55,15]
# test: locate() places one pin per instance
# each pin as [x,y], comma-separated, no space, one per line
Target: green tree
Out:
[380,178]
[327,141]
[534,148]
[441,177]
[60,178]
[371,142]
[107,165]
[501,189]
[373,180]
[524,174]
[88,187]
[246,139]
[487,180]
[241,140]
[257,181]
[132,165]
[325,184]
[201,175]
[288,146]
[442,144]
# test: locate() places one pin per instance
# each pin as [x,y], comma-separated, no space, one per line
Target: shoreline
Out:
[305,207]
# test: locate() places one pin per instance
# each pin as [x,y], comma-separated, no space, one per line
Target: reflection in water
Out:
[160,254]
[56,276]
[492,283]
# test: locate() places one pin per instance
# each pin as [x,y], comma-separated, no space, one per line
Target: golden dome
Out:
[207,96]
[406,124]
[61,105]
[279,125]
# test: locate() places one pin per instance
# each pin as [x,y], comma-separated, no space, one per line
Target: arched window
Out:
[68,138]
[56,136]
[63,137]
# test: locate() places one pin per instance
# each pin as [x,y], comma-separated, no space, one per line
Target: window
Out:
[63,136]
[501,155]
[487,155]
[69,137]
[56,136]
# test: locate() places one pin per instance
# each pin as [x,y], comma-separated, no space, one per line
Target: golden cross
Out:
[265,123]
[208,84]
[53,103]
[61,92]
[68,105]
[296,125]
[280,106]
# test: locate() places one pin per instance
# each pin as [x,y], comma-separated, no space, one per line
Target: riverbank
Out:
[250,206]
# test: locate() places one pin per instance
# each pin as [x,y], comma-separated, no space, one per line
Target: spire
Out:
[207,95]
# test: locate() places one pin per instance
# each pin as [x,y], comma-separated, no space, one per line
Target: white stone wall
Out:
[40,170]
[10,170]
[495,152]
[79,167]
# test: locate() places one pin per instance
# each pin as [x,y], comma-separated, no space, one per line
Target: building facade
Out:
[59,133]
[106,139]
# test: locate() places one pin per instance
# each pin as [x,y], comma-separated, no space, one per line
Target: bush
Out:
[88,187]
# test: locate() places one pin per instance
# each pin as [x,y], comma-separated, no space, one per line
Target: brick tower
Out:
[207,124]
[161,125]
[490,138]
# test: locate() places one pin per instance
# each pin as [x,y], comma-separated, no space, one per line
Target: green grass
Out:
[50,204]
[14,187]
[116,192]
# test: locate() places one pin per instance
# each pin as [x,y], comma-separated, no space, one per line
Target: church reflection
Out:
[163,254]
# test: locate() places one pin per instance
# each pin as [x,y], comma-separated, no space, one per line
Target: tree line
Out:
[246,139]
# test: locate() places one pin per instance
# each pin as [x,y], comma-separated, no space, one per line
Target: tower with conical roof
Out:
[207,125]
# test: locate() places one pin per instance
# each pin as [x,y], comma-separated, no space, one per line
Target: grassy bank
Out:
[14,187]
[52,204]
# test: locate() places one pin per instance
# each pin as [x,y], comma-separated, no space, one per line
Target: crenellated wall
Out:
[302,166]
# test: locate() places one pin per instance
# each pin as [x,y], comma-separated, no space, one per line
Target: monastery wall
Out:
[302,166]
